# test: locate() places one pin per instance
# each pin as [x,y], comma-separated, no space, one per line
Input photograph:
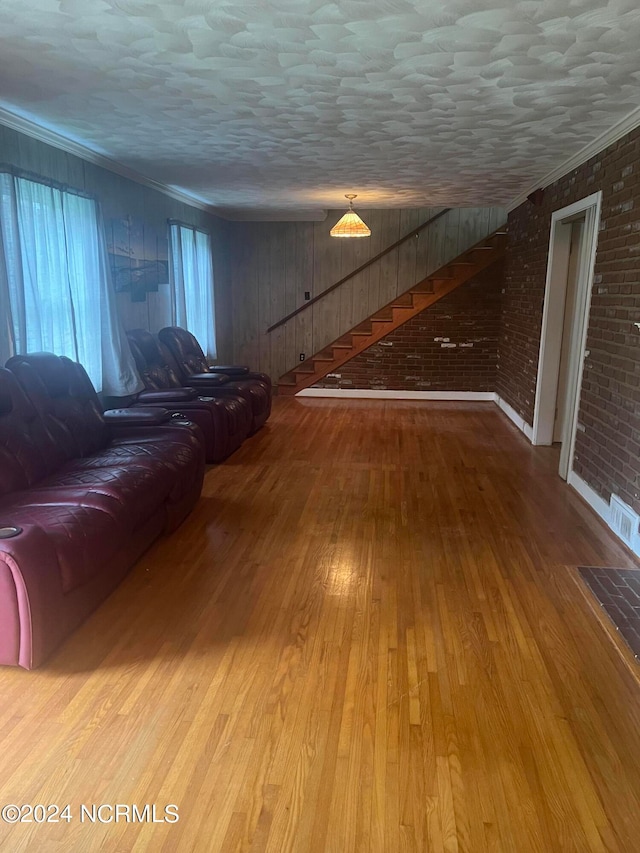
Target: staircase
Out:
[392,316]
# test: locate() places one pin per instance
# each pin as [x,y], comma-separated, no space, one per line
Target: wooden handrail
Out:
[412,233]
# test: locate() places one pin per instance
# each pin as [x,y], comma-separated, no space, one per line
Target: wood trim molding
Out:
[513,416]
[613,134]
[52,137]
[78,149]
[599,506]
[453,396]
[553,315]
[372,394]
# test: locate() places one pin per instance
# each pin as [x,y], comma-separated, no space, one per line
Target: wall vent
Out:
[623,521]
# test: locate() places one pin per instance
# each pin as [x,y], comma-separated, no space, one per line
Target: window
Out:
[191,277]
[54,282]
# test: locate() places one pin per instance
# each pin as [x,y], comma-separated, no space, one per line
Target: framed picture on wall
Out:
[138,256]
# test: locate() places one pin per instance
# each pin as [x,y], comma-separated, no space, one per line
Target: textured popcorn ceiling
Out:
[292,103]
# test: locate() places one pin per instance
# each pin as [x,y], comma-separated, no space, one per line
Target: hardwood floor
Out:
[367,637]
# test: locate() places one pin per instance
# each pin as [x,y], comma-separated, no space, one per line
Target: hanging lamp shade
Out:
[350,225]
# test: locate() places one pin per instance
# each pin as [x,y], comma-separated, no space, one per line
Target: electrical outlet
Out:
[307,295]
[302,356]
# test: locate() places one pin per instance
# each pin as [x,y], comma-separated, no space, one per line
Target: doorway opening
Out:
[572,251]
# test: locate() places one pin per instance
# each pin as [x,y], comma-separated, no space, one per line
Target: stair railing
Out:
[413,233]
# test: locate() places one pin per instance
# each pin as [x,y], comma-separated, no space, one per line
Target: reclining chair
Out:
[64,398]
[224,417]
[191,365]
[82,495]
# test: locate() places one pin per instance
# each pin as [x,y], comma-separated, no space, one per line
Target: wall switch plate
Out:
[302,356]
[307,295]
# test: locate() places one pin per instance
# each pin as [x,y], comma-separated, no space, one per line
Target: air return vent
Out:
[623,520]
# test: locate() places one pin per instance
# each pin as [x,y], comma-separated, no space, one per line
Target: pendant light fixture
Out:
[350,225]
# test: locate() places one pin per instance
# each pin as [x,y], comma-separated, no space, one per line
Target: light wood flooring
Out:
[367,637]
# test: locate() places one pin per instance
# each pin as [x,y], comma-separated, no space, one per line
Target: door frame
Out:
[553,318]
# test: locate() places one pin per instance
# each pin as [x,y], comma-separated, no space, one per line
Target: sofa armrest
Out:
[31,590]
[233,370]
[168,395]
[207,380]
[138,417]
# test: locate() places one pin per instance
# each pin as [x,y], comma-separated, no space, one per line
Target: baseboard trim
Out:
[369,394]
[597,504]
[513,416]
[450,396]
[600,507]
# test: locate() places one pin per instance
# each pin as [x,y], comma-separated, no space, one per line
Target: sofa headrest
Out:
[181,341]
[52,370]
[147,347]
[185,349]
[153,361]
[177,334]
[27,453]
[62,393]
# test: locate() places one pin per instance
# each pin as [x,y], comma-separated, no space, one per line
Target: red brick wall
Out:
[451,346]
[608,441]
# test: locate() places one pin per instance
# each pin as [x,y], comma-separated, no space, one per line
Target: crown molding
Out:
[616,132]
[78,149]
[261,215]
[57,140]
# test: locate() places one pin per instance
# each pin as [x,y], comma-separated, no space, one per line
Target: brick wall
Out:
[607,453]
[451,346]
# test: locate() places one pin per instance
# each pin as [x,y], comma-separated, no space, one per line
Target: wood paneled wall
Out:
[275,263]
[262,270]
[120,197]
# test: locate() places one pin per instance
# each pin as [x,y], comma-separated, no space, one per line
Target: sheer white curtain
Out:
[55,282]
[7,340]
[191,279]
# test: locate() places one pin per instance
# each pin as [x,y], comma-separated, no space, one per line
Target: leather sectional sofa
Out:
[83,494]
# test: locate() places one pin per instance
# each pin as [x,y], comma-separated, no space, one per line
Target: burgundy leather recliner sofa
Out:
[82,495]
[224,417]
[193,369]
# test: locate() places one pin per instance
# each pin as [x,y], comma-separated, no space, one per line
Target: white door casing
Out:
[553,321]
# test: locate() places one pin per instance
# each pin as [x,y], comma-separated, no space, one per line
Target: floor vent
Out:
[623,521]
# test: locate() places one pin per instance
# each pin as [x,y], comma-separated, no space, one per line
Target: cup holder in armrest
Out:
[9,531]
